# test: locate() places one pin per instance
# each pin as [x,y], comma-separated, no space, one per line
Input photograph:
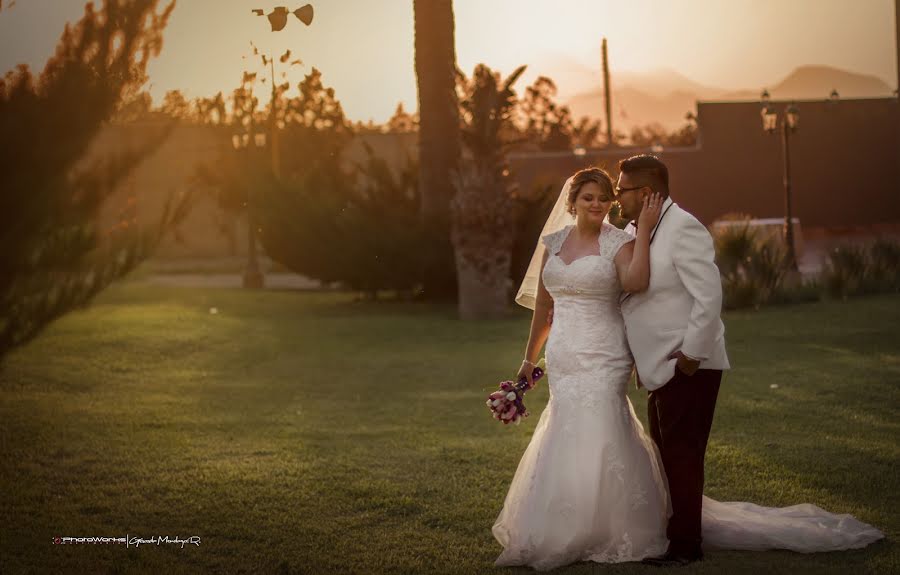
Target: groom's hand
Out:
[687,365]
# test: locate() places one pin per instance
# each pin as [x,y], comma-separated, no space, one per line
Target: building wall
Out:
[207,232]
[844,164]
[169,170]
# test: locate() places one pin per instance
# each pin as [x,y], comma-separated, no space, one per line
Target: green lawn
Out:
[307,433]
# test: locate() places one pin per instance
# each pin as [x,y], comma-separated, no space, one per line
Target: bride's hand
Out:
[526,371]
[650,211]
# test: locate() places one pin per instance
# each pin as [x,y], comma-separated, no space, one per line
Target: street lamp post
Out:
[245,144]
[789,122]
[278,19]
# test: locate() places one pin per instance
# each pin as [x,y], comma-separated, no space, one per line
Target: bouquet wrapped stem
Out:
[507,403]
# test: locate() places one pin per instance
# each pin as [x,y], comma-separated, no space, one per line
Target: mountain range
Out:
[665,96]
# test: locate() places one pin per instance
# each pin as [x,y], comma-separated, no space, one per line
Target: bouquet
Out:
[506,404]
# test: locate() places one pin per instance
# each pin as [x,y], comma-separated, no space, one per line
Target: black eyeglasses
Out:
[620,191]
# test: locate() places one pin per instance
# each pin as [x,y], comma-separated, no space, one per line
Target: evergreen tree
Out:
[53,256]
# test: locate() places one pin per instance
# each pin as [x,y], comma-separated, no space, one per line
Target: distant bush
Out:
[844,271]
[807,291]
[359,229]
[884,266]
[753,268]
[855,270]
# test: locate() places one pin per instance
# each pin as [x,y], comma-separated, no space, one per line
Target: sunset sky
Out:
[364,48]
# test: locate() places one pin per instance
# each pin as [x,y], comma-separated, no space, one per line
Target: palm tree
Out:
[483,210]
[439,145]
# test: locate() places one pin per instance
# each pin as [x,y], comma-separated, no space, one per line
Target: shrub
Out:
[752,266]
[807,291]
[359,229]
[884,266]
[853,270]
[844,270]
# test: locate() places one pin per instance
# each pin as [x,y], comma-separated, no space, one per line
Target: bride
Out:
[591,485]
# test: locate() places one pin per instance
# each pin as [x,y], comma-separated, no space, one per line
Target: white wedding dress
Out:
[591,485]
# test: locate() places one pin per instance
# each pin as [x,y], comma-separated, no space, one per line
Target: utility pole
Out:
[607,96]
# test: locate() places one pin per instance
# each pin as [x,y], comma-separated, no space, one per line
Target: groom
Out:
[678,342]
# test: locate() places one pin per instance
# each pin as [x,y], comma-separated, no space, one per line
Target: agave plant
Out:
[884,265]
[844,271]
[734,246]
[752,266]
[851,270]
[767,268]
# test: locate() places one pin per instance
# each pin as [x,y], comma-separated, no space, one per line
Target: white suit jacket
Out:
[681,309]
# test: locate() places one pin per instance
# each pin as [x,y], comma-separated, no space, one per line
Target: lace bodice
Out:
[592,276]
[586,350]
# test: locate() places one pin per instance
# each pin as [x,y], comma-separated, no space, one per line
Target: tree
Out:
[543,122]
[483,209]
[228,179]
[298,213]
[439,146]
[655,133]
[548,126]
[135,108]
[648,135]
[176,106]
[684,136]
[402,122]
[53,256]
[356,226]
[210,111]
[586,132]
[315,128]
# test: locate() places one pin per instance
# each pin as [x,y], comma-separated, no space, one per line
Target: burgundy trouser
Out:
[681,415]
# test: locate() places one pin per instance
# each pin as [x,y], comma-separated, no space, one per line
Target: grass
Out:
[306,433]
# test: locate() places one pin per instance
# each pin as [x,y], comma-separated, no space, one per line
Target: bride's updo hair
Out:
[581,177]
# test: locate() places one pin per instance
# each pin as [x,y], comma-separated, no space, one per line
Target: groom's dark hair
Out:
[647,170]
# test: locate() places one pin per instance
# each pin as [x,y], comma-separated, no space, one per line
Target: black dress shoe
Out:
[671,560]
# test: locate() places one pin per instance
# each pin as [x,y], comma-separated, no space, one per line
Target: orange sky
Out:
[365,47]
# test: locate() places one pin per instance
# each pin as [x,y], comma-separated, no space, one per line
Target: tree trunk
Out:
[483,294]
[483,230]
[439,145]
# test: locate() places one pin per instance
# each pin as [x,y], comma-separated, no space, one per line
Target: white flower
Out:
[511,396]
